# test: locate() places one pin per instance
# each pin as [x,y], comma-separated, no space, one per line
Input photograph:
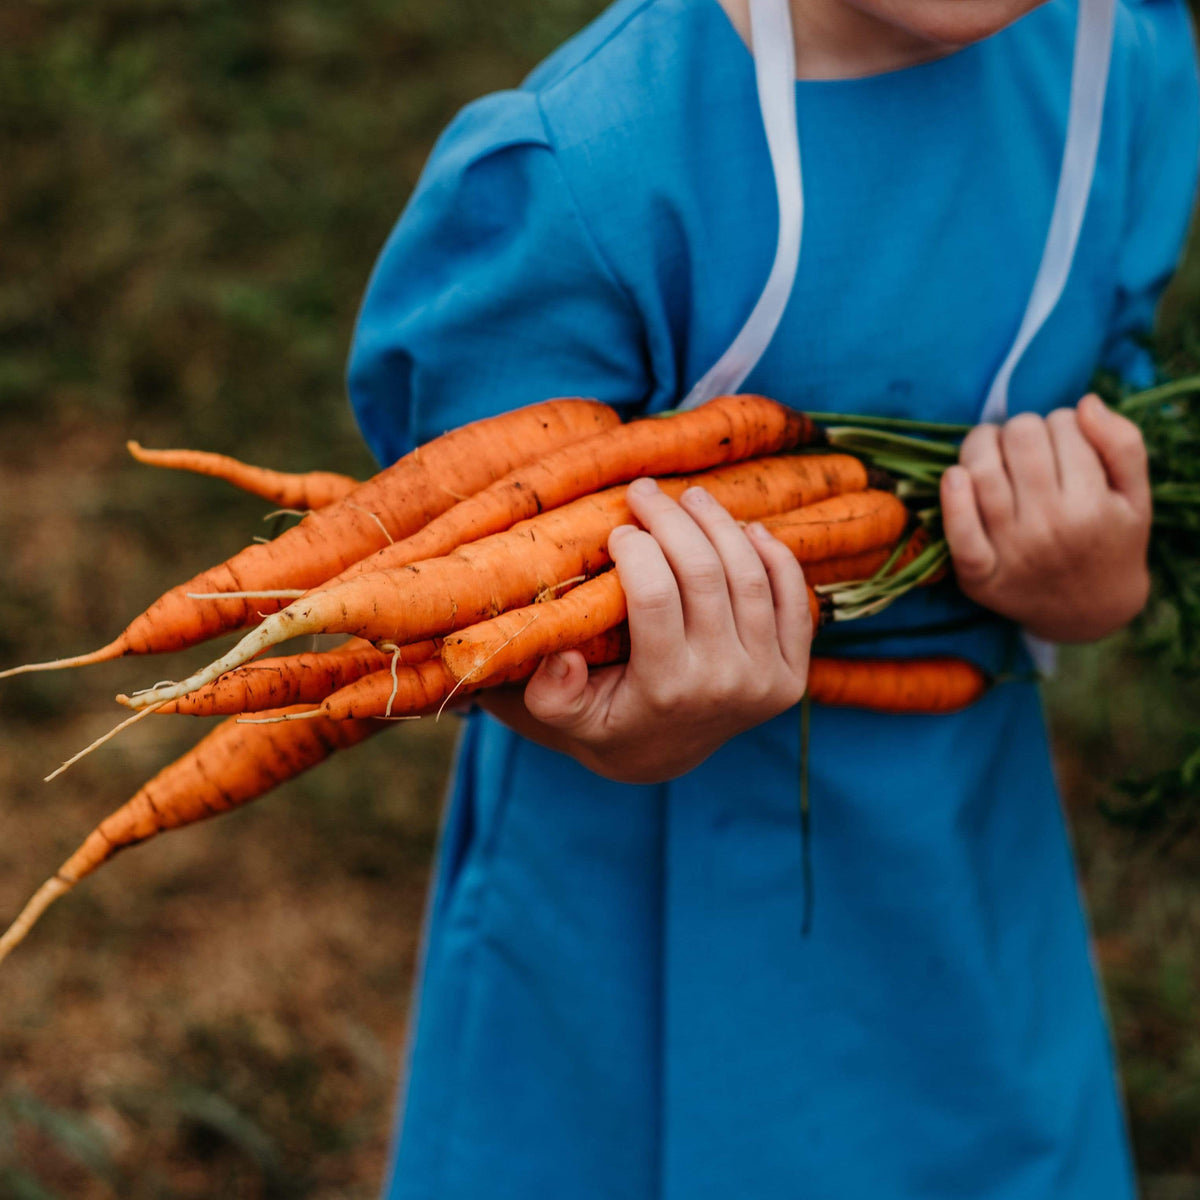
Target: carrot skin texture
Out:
[310,489]
[293,679]
[726,429]
[936,685]
[841,526]
[509,569]
[853,567]
[393,504]
[422,688]
[538,630]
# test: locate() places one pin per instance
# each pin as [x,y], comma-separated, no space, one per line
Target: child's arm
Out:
[1048,521]
[719,630]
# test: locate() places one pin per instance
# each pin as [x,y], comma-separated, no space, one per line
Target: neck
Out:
[837,40]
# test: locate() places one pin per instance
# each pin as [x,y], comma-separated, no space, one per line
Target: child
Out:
[617,998]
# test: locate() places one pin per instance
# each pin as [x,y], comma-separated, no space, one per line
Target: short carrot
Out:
[481,579]
[392,505]
[312,489]
[233,765]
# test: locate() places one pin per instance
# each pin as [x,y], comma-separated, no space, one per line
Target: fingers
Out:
[971,548]
[748,586]
[1030,464]
[1079,466]
[651,593]
[694,561]
[992,489]
[793,619]
[1118,442]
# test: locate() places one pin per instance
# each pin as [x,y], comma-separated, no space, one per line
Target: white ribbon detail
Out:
[1089,83]
[775,74]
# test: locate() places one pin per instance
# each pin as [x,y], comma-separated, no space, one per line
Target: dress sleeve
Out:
[1164,160]
[490,292]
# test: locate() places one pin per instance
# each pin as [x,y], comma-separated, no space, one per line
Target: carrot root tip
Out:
[28,916]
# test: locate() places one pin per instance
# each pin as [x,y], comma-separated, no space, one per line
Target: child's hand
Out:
[1048,521]
[719,630]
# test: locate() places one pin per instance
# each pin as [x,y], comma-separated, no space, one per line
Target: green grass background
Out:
[191,196]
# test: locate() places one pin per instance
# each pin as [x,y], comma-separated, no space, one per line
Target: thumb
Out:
[560,693]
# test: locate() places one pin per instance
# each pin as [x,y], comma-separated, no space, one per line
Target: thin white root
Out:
[112,733]
[475,671]
[286,512]
[304,716]
[374,517]
[278,594]
[387,712]
[38,903]
[278,627]
[63,664]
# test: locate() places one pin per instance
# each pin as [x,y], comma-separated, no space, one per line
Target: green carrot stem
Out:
[1148,398]
[932,428]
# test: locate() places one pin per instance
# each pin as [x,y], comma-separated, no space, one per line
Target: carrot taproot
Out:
[725,430]
[291,679]
[538,630]
[939,684]
[391,505]
[310,489]
[505,570]
[230,767]
[419,689]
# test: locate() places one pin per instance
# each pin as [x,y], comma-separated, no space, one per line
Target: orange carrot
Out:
[727,429]
[841,526]
[897,685]
[505,570]
[854,567]
[537,630]
[292,679]
[392,505]
[312,489]
[422,688]
[233,765]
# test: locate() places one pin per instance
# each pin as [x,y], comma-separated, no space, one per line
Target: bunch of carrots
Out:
[469,560]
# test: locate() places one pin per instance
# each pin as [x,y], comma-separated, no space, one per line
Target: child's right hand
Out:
[719,632]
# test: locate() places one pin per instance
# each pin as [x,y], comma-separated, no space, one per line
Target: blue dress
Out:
[617,1000]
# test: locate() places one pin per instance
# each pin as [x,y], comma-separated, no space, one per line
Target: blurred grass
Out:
[192,193]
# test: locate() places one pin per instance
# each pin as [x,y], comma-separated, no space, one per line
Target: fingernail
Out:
[643,487]
[757,529]
[956,479]
[696,495]
[556,666]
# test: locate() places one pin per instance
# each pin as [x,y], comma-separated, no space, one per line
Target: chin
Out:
[948,22]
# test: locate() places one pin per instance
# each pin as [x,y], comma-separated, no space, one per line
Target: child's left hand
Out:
[1048,520]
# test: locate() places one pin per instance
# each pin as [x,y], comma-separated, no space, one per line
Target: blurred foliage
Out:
[192,193]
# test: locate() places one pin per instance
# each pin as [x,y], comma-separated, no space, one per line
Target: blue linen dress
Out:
[617,1000]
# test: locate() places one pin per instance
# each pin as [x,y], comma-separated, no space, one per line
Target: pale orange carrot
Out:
[310,489]
[392,505]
